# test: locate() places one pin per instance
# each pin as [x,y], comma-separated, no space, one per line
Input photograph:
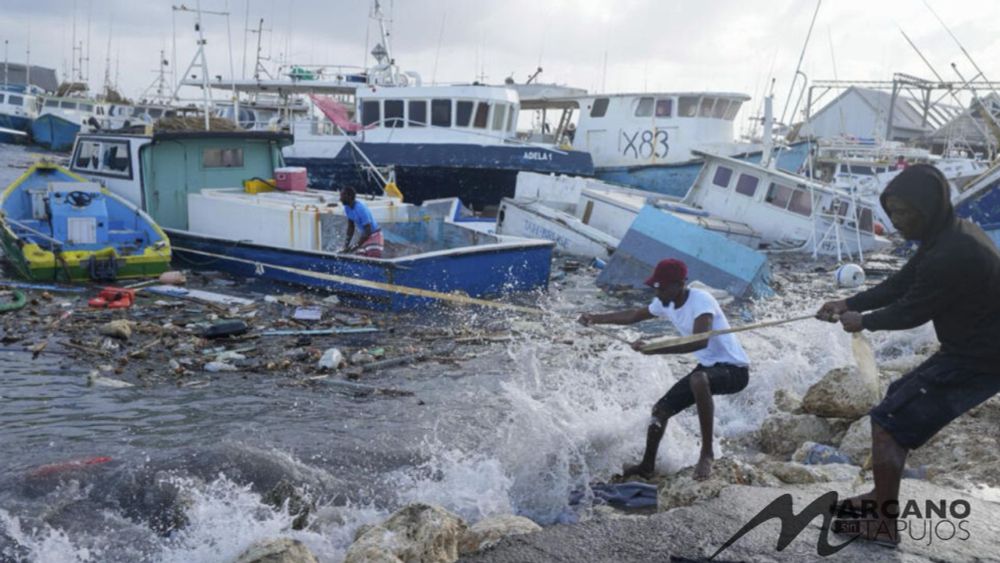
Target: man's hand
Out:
[831,310]
[586,319]
[851,321]
[638,345]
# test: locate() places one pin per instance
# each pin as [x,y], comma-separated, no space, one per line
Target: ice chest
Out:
[291,178]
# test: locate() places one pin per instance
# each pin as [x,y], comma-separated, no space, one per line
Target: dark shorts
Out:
[924,401]
[723,379]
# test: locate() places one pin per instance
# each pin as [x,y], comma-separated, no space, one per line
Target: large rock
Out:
[681,489]
[782,433]
[280,550]
[798,474]
[841,393]
[788,401]
[415,533]
[857,442]
[489,531]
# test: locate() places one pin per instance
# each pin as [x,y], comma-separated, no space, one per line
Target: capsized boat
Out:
[55,225]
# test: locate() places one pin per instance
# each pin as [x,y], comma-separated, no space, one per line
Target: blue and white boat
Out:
[646,140]
[61,118]
[980,202]
[192,184]
[18,108]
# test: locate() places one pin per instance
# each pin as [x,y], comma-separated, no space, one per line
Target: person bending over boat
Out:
[953,280]
[370,242]
[723,367]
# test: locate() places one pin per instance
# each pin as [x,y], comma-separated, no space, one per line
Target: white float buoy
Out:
[850,275]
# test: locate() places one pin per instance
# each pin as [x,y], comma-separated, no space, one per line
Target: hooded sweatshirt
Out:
[952,280]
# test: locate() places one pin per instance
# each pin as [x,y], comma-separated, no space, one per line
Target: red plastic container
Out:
[291,179]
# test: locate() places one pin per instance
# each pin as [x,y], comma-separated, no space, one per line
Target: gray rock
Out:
[681,489]
[416,532]
[857,442]
[841,393]
[787,401]
[280,550]
[782,433]
[799,474]
[488,531]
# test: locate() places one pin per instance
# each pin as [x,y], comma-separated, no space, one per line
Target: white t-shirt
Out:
[721,349]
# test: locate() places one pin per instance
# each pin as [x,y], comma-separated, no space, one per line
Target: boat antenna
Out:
[246,32]
[962,48]
[795,77]
[438,52]
[199,60]
[5,42]
[27,59]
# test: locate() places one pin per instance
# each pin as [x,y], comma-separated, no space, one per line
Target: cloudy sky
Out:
[724,45]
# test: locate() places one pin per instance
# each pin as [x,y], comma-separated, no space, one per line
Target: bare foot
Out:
[639,470]
[703,469]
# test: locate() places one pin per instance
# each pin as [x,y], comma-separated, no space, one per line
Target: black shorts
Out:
[723,379]
[924,401]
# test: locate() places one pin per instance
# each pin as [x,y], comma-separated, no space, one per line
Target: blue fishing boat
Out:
[54,225]
[201,188]
[17,109]
[61,119]
[980,202]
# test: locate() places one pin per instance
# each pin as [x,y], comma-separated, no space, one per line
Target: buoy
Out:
[850,275]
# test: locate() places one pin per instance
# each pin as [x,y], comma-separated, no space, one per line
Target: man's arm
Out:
[628,317]
[936,286]
[350,235]
[702,324]
[890,290]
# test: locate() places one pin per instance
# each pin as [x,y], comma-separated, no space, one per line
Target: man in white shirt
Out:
[723,367]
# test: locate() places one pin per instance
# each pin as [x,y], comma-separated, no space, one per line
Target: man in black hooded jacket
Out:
[952,280]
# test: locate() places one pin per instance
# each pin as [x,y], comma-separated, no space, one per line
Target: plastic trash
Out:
[598,263]
[173,277]
[226,328]
[219,366]
[819,454]
[331,359]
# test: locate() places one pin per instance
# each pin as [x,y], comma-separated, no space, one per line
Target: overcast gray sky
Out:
[725,45]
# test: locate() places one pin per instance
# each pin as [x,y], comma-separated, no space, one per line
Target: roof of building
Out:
[908,113]
[44,78]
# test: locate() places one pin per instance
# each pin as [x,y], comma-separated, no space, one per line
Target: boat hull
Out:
[480,175]
[674,180]
[54,132]
[17,123]
[983,208]
[472,272]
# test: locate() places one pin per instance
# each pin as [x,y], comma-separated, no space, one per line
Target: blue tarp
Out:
[711,258]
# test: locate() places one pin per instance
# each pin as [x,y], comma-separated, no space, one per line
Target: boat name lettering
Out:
[539,231]
[537,155]
[646,143]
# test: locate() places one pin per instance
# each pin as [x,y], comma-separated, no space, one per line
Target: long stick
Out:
[670,342]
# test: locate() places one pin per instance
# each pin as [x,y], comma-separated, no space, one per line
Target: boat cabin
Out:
[18,104]
[648,129]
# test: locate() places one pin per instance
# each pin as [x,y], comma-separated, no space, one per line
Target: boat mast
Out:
[199,60]
[5,42]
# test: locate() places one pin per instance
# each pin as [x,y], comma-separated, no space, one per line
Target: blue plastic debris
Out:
[710,257]
[632,495]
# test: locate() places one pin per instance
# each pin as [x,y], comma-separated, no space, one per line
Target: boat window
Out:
[15,100]
[706,107]
[86,107]
[441,113]
[664,107]
[719,111]
[499,116]
[155,113]
[228,158]
[644,108]
[482,115]
[418,113]
[510,118]
[722,176]
[100,110]
[865,219]
[778,195]
[801,202]
[51,103]
[394,113]
[2,97]
[600,107]
[463,113]
[87,155]
[114,159]
[732,110]
[747,185]
[863,170]
[67,105]
[687,107]
[370,113]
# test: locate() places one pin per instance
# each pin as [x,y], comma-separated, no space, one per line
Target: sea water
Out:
[514,428]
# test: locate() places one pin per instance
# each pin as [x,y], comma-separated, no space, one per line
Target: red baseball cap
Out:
[666,271]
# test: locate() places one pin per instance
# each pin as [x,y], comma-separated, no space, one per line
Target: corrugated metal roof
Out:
[44,78]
